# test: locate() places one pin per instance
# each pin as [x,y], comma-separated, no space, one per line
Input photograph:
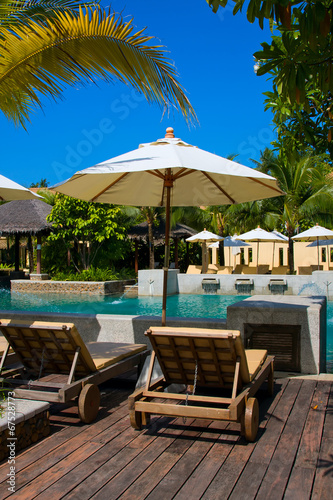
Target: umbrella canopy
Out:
[282,236]
[321,243]
[169,172]
[257,235]
[233,245]
[204,237]
[231,241]
[315,233]
[10,190]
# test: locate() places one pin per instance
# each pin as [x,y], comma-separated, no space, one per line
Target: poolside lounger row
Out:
[239,269]
[57,366]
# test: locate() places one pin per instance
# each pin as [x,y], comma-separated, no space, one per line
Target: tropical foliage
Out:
[308,187]
[299,62]
[82,227]
[46,45]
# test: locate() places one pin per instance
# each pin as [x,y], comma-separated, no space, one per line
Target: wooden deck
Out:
[291,459]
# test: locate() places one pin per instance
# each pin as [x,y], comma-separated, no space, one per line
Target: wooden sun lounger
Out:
[194,269]
[204,359]
[57,366]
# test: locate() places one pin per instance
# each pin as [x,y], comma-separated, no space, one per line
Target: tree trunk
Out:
[221,253]
[31,255]
[291,255]
[151,244]
[17,252]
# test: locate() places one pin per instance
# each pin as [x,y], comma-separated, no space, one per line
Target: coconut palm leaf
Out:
[40,59]
[23,11]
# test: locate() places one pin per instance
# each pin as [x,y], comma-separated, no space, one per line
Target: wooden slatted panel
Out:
[178,356]
[53,347]
[282,341]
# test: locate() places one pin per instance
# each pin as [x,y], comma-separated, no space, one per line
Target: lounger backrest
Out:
[194,269]
[224,270]
[238,269]
[51,345]
[179,350]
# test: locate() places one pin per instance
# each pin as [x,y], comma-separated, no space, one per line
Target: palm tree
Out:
[48,44]
[307,183]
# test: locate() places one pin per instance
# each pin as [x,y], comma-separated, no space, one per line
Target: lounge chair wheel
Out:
[251,419]
[88,404]
[136,419]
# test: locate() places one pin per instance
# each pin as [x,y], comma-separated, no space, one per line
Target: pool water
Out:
[197,306]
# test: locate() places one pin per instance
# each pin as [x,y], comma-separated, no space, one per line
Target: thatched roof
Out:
[24,217]
[140,232]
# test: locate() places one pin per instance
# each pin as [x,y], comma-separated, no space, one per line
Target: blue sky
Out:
[213,54]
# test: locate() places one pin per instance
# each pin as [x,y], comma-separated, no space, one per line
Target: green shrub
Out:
[93,274]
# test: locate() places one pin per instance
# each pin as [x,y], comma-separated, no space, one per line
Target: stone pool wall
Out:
[112,328]
[77,287]
[272,317]
[150,283]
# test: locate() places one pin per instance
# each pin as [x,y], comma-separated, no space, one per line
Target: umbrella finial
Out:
[169,133]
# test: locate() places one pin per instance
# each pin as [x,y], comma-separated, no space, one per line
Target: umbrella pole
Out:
[168,185]
[257,256]
[318,251]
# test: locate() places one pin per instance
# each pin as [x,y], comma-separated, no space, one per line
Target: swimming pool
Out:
[195,306]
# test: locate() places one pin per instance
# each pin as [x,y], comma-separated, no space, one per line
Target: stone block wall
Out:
[76,287]
[27,422]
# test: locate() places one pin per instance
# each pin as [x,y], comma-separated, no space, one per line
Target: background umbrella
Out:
[257,235]
[204,237]
[231,243]
[169,172]
[10,190]
[315,233]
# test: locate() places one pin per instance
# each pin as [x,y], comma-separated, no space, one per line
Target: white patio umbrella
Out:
[315,233]
[169,172]
[204,237]
[10,191]
[257,235]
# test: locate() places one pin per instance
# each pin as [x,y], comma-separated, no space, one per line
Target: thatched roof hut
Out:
[140,232]
[25,217]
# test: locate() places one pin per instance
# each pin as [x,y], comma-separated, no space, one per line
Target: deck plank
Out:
[322,489]
[196,439]
[275,481]
[291,458]
[32,465]
[231,470]
[176,477]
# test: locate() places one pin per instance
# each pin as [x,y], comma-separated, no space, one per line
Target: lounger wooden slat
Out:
[204,359]
[52,351]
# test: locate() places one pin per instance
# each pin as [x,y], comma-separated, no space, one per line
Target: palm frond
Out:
[40,59]
[18,12]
